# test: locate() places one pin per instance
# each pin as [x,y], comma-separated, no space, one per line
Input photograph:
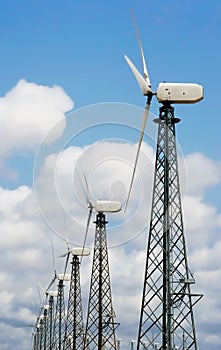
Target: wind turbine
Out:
[74,329]
[167,94]
[100,325]
[167,301]
[99,206]
[56,338]
[45,327]
[39,333]
[50,323]
[59,318]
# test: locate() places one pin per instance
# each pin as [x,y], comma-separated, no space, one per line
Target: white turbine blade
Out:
[87,193]
[87,228]
[53,256]
[68,246]
[52,282]
[39,294]
[66,263]
[144,86]
[63,255]
[145,72]
[86,184]
[144,120]
[88,224]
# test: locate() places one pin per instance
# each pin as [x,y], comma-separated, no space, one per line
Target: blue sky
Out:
[80,47]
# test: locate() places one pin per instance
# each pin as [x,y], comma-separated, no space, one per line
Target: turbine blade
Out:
[145,88]
[144,120]
[87,192]
[63,255]
[39,294]
[87,187]
[66,225]
[53,256]
[84,186]
[66,262]
[87,229]
[68,246]
[52,282]
[145,72]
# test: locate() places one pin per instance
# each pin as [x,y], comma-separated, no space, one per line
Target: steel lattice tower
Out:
[50,322]
[59,318]
[166,319]
[74,331]
[35,340]
[100,326]
[39,335]
[45,328]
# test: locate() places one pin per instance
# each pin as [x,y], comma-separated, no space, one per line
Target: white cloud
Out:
[213,339]
[10,200]
[26,239]
[60,187]
[202,173]
[27,114]
[202,220]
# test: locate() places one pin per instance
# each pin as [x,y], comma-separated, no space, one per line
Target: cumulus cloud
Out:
[27,112]
[202,173]
[61,187]
[60,194]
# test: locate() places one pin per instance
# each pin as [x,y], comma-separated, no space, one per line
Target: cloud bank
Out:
[57,207]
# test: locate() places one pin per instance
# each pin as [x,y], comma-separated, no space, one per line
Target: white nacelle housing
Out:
[179,92]
[66,277]
[52,293]
[80,251]
[107,206]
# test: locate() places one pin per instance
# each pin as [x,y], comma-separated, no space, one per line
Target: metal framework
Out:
[45,328]
[166,320]
[39,335]
[59,318]
[74,331]
[50,323]
[100,326]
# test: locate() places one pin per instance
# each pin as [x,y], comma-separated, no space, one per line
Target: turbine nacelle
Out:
[52,293]
[80,251]
[64,277]
[102,206]
[179,93]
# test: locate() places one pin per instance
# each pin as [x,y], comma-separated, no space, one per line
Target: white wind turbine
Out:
[167,93]
[100,206]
